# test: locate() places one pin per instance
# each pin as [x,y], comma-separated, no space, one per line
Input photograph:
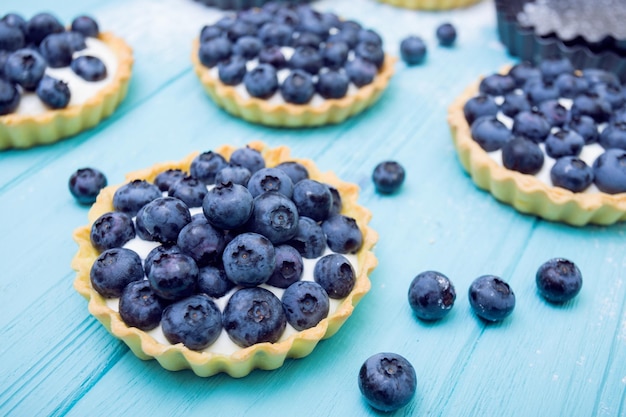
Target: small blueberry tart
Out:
[199,267]
[589,33]
[56,81]
[431,4]
[550,140]
[291,66]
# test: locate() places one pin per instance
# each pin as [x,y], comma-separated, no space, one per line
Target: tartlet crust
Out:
[430,4]
[260,111]
[525,192]
[260,356]
[25,131]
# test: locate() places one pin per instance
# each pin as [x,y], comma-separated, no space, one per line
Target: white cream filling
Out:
[80,90]
[223,345]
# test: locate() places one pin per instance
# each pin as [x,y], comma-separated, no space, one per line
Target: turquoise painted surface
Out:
[542,361]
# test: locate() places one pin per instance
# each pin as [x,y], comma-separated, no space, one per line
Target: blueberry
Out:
[228,205]
[571,85]
[478,106]
[523,72]
[225,22]
[306,58]
[586,127]
[139,306]
[202,241]
[113,270]
[413,50]
[347,36]
[15,20]
[370,52]
[190,190]
[332,84]
[231,71]
[89,68]
[247,47]
[56,49]
[538,90]
[312,199]
[255,16]
[270,179]
[214,282]
[351,25]
[53,93]
[334,54]
[248,157]
[209,32]
[233,173]
[490,133]
[273,56]
[274,216]
[558,280]
[286,15]
[335,208]
[214,50]
[74,39]
[305,303]
[173,276]
[596,76]
[40,26]
[310,240]
[4,55]
[196,322]
[531,125]
[564,143]
[431,295]
[491,298]
[165,179]
[140,229]
[388,177]
[609,171]
[85,184]
[249,259]
[295,170]
[335,274]
[240,29]
[288,267]
[298,87]
[158,251]
[25,67]
[554,112]
[130,197]
[313,24]
[387,381]
[342,234]
[164,218]
[206,165]
[86,25]
[370,36]
[551,68]
[261,81]
[522,155]
[571,173]
[360,71]
[254,315]
[446,34]
[11,37]
[497,85]
[614,136]
[111,230]
[592,105]
[276,34]
[614,95]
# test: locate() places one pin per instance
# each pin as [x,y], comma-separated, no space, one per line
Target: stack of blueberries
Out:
[319,52]
[28,47]
[555,111]
[255,226]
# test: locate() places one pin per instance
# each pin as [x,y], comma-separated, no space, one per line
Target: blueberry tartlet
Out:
[291,66]
[227,261]
[57,81]
[549,140]
[430,4]
[588,33]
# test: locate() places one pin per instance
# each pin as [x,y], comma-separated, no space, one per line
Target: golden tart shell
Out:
[431,4]
[242,362]
[25,130]
[525,192]
[260,111]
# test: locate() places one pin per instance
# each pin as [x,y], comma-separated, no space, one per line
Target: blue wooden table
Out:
[544,360]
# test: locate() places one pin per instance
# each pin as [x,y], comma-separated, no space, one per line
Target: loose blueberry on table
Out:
[388,177]
[491,298]
[558,280]
[431,295]
[446,34]
[85,184]
[413,50]
[387,381]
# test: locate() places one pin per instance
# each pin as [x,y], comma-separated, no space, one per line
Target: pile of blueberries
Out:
[532,96]
[255,227]
[27,47]
[328,54]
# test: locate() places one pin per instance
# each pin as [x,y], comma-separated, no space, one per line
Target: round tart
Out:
[512,113]
[293,45]
[430,4]
[35,123]
[224,355]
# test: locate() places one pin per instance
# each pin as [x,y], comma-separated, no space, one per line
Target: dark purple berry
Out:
[558,280]
[387,381]
[491,298]
[431,295]
[85,184]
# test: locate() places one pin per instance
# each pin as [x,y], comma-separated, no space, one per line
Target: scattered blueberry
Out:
[388,177]
[387,381]
[139,306]
[85,184]
[571,173]
[431,295]
[446,34]
[305,303]
[559,280]
[196,322]
[113,270]
[111,230]
[413,50]
[491,298]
